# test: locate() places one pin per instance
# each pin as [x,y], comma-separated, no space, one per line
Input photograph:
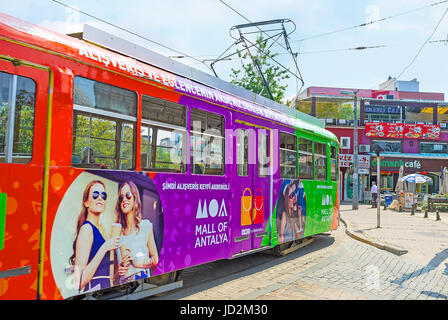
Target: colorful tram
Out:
[114,170]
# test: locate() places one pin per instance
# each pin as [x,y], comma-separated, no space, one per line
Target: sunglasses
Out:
[96,194]
[128,196]
[294,193]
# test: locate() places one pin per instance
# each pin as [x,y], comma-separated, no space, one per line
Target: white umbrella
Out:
[401,186]
[415,178]
[444,187]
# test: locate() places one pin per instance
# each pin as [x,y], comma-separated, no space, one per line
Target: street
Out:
[333,267]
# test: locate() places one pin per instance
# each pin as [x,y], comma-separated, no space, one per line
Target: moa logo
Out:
[327,200]
[212,210]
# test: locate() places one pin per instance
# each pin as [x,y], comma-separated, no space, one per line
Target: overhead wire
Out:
[359,48]
[424,43]
[352,27]
[299,76]
[238,13]
[370,22]
[346,49]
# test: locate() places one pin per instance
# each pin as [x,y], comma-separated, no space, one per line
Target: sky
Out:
[201,29]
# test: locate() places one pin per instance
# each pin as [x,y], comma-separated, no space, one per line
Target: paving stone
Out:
[349,269]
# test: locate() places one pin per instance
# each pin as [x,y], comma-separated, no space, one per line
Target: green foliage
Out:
[332,110]
[249,78]
[23,124]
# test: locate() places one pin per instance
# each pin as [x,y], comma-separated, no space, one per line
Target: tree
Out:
[249,78]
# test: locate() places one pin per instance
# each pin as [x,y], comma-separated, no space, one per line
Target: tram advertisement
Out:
[109,228]
[304,208]
[291,211]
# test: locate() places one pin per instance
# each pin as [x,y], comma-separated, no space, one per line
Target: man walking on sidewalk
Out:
[374,193]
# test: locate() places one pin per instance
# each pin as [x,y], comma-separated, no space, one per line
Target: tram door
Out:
[252,182]
[23,108]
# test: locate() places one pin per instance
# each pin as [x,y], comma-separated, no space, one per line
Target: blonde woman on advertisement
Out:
[138,253]
[90,250]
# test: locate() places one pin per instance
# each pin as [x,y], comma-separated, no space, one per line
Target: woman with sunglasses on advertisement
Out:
[300,204]
[288,228]
[90,256]
[138,253]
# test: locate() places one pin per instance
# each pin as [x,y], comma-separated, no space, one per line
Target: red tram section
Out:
[113,170]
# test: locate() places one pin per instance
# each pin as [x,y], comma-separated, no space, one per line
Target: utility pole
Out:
[355,199]
[378,183]
[355,154]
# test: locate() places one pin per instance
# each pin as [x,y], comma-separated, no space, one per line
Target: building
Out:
[410,127]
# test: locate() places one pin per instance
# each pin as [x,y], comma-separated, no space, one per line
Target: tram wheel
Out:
[163,279]
[288,247]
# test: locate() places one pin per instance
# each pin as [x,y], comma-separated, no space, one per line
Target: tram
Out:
[116,168]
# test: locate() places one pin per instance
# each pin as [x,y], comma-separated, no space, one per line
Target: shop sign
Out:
[422,131]
[396,164]
[364,161]
[383,94]
[382,109]
[402,130]
[384,129]
[346,161]
[408,200]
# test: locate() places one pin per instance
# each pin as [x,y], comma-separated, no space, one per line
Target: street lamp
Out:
[354,94]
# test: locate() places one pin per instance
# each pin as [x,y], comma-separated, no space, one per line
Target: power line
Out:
[424,43]
[348,28]
[345,49]
[238,13]
[359,48]
[131,32]
[288,49]
[371,22]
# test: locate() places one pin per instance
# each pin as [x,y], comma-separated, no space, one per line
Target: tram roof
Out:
[106,50]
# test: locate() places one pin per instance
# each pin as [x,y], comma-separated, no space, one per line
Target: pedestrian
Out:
[374,193]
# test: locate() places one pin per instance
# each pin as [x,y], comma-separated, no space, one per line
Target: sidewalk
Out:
[421,240]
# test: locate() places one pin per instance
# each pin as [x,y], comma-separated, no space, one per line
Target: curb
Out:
[395,250]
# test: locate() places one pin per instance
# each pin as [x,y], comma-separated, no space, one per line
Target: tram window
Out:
[17,104]
[334,164]
[305,159]
[207,142]
[104,124]
[288,156]
[242,153]
[99,142]
[263,153]
[163,135]
[98,95]
[320,160]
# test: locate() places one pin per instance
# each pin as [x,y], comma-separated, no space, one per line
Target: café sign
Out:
[410,165]
[396,164]
[382,109]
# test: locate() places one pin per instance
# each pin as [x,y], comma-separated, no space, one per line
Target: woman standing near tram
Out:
[90,256]
[138,253]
